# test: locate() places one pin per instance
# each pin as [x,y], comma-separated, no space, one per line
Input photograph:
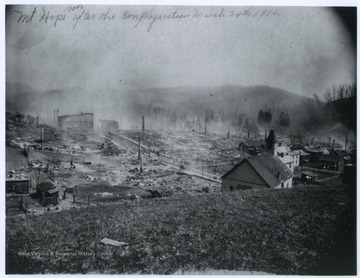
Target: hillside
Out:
[298,231]
[342,111]
[161,106]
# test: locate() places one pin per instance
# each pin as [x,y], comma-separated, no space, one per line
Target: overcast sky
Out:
[302,50]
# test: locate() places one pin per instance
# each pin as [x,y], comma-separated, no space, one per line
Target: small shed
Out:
[48,193]
[331,162]
[20,186]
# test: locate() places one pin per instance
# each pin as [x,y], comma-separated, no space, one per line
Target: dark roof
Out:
[53,190]
[46,186]
[268,167]
[330,157]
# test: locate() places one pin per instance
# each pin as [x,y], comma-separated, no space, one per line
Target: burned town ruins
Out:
[226,147]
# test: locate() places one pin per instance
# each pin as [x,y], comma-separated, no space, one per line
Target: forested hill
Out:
[190,107]
[342,111]
[223,104]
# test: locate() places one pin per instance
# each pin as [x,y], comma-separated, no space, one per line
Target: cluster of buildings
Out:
[273,166]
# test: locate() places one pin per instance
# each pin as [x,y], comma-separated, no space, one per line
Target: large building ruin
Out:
[108,126]
[83,122]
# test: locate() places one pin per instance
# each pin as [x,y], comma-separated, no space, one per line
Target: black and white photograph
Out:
[180,139]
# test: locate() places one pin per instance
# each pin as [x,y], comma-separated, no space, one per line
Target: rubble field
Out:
[93,169]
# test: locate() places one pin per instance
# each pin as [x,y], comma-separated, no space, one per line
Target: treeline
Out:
[339,92]
[238,109]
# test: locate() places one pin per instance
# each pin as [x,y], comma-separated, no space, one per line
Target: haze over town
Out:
[180,140]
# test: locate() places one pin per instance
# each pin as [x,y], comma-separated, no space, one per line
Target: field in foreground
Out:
[297,231]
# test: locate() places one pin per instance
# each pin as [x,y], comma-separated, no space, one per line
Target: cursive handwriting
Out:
[148,15]
[79,13]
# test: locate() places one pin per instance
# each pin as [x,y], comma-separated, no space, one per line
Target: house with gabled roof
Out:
[258,172]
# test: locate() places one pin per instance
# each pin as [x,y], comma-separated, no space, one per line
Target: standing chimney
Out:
[265,134]
[37,119]
[139,149]
[333,146]
[42,137]
[228,136]
[143,123]
[329,141]
[312,141]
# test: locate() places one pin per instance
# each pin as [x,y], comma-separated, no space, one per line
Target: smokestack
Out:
[329,141]
[37,119]
[265,134]
[143,123]
[42,137]
[228,136]
[312,141]
[333,146]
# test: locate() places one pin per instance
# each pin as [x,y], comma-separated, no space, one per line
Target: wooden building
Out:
[48,193]
[20,186]
[331,162]
[258,172]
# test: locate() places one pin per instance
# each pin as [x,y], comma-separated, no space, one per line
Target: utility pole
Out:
[143,123]
[140,155]
[202,168]
[57,116]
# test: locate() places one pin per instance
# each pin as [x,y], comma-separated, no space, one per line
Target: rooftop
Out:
[268,167]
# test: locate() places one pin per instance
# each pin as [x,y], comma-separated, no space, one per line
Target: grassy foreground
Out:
[296,231]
